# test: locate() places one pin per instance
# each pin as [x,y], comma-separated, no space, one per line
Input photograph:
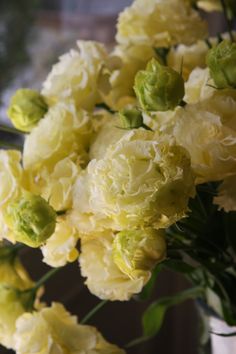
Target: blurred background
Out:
[33,33]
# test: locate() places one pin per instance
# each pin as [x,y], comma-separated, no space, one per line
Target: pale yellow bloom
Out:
[210,5]
[10,175]
[103,277]
[199,86]
[79,76]
[62,132]
[207,130]
[140,181]
[132,59]
[11,307]
[54,330]
[108,134]
[60,248]
[226,198]
[12,272]
[56,187]
[188,58]
[160,23]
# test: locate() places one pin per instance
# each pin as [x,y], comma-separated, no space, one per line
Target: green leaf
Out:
[154,315]
[147,290]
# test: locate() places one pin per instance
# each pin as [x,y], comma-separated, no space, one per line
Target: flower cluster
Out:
[117,146]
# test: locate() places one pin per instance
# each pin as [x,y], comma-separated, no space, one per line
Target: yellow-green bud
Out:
[158,88]
[136,252]
[31,219]
[221,61]
[26,108]
[131,118]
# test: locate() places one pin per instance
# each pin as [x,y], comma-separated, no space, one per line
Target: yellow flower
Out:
[60,248]
[136,252]
[226,198]
[12,272]
[79,76]
[104,278]
[188,58]
[132,59]
[140,181]
[199,86]
[10,175]
[62,132]
[160,23]
[54,330]
[207,130]
[11,307]
[210,5]
[56,187]
[108,134]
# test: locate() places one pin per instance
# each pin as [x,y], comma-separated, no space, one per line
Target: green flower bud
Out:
[26,108]
[131,118]
[158,88]
[136,252]
[221,61]
[31,219]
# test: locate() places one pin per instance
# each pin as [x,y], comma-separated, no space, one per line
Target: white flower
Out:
[140,181]
[188,58]
[62,132]
[60,248]
[199,86]
[79,76]
[10,175]
[207,131]
[160,23]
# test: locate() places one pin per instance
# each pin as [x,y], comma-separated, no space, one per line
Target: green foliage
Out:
[154,315]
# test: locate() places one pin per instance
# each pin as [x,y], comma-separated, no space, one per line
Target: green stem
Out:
[46,277]
[11,130]
[228,22]
[93,311]
[10,145]
[137,341]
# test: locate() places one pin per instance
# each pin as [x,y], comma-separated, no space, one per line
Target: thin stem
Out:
[137,341]
[46,277]
[11,130]
[93,311]
[228,22]
[10,145]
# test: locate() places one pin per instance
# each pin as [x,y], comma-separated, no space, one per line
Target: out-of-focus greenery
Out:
[16,18]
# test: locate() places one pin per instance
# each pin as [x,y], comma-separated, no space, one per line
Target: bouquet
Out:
[128,167]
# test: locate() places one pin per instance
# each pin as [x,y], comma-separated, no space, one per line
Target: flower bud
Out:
[221,62]
[136,252]
[131,118]
[158,88]
[31,219]
[26,108]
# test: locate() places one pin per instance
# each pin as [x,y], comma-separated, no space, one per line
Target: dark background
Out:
[32,35]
